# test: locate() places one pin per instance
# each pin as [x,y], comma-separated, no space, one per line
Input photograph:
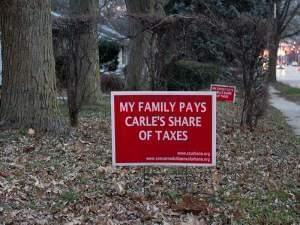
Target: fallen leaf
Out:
[28,149]
[193,220]
[190,204]
[101,170]
[4,174]
[119,187]
[31,131]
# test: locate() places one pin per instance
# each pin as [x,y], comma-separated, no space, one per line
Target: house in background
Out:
[113,31]
[109,33]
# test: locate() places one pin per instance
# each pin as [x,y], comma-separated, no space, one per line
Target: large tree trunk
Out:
[137,77]
[274,44]
[87,55]
[29,92]
[141,71]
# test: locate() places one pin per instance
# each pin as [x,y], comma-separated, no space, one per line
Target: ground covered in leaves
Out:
[69,180]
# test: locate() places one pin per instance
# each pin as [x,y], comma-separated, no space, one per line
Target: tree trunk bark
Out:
[29,90]
[137,77]
[249,98]
[136,74]
[141,69]
[274,44]
[87,55]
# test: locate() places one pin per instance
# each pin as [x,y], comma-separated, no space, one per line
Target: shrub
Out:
[191,75]
[108,52]
[112,83]
[60,69]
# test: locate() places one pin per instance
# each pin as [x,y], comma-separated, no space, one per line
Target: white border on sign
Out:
[234,88]
[135,93]
[113,135]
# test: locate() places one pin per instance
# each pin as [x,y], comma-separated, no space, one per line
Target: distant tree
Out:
[282,14]
[112,8]
[28,91]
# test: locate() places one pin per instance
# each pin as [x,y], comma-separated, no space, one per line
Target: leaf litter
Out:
[69,180]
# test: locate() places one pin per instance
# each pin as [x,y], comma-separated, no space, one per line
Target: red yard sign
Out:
[163,128]
[224,93]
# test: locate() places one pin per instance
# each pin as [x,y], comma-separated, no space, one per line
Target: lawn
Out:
[288,92]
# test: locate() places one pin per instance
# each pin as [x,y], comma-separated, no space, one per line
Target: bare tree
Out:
[76,61]
[283,14]
[246,39]
[77,30]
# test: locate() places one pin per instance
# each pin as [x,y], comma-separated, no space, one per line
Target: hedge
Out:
[190,75]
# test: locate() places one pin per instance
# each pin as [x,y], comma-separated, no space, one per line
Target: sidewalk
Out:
[289,109]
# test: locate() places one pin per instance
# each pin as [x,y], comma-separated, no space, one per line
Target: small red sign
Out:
[163,128]
[224,93]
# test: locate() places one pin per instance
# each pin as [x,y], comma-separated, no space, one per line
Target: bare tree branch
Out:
[287,20]
[289,35]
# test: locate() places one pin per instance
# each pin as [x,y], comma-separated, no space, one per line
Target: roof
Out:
[106,30]
[56,14]
[109,33]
